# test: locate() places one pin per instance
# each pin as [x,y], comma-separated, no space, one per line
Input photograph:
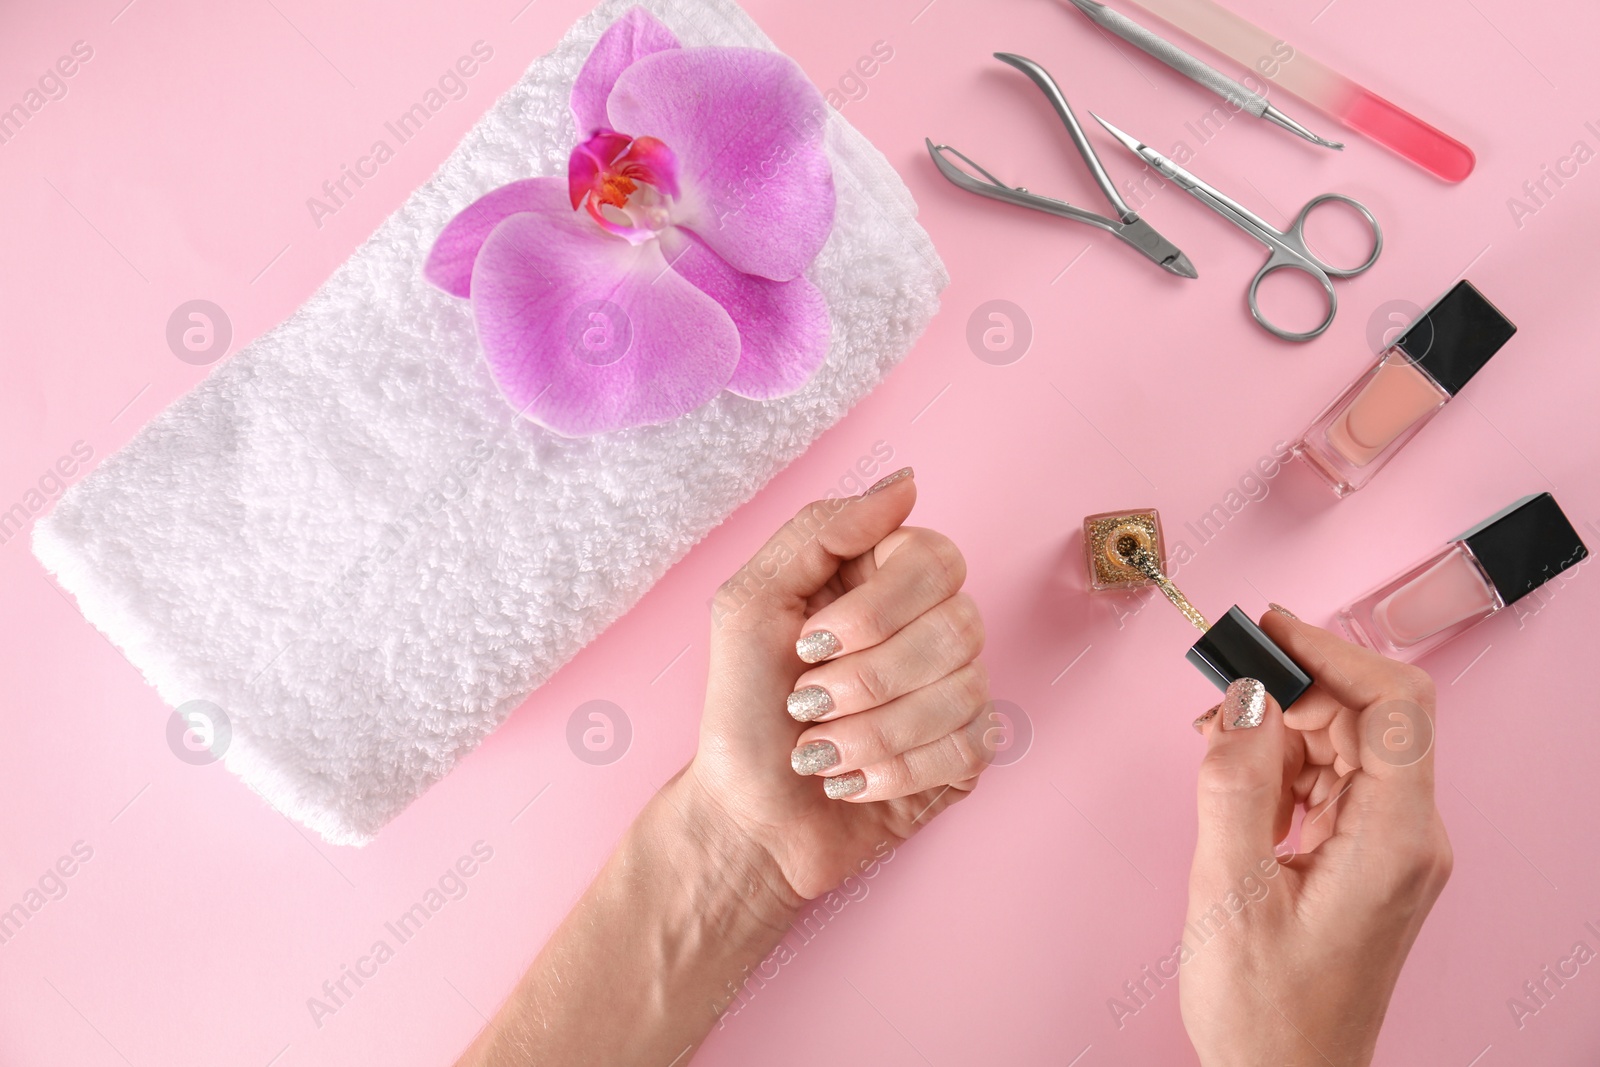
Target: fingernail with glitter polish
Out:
[1200,723]
[1285,612]
[817,646]
[814,756]
[1244,705]
[844,785]
[889,479]
[809,704]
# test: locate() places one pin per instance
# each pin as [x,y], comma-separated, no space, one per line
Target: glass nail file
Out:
[1319,85]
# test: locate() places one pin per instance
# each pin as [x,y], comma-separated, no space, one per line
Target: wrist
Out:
[1265,1035]
[731,883]
[662,940]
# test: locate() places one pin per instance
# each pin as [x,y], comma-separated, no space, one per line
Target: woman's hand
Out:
[845,702]
[1292,959]
[706,880]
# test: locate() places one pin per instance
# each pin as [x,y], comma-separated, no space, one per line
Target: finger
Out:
[1356,677]
[1310,783]
[1319,747]
[1322,802]
[1390,736]
[807,551]
[937,642]
[1352,675]
[1344,734]
[1296,757]
[909,813]
[1244,799]
[908,722]
[959,756]
[914,570]
[1313,788]
[758,611]
[1313,711]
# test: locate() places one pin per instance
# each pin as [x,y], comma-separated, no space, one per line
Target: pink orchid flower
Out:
[669,265]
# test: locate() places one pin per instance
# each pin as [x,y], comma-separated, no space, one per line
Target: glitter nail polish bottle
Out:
[1361,431]
[1486,569]
[1108,570]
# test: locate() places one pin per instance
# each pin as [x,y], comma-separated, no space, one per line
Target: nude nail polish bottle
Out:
[1486,569]
[1411,382]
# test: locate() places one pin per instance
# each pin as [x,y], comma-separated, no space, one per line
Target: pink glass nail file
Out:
[1322,87]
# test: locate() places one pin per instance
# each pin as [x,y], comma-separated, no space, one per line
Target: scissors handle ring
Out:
[1281,261]
[1295,254]
[1298,232]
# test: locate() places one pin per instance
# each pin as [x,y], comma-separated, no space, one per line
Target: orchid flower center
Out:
[628,184]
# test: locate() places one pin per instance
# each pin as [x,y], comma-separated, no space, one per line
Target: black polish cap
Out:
[1454,338]
[1525,545]
[1235,647]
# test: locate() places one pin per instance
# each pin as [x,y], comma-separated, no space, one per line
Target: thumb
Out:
[757,614]
[806,552]
[1244,804]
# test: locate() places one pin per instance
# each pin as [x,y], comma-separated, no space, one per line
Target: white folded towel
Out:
[346,540]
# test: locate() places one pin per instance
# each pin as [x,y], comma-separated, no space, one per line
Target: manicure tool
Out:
[1203,74]
[1317,84]
[1288,249]
[1126,226]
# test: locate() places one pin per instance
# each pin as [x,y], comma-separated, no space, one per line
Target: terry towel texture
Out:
[345,538]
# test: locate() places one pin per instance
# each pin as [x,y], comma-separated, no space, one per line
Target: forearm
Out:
[654,950]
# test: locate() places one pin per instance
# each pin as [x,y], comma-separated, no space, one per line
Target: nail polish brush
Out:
[1232,647]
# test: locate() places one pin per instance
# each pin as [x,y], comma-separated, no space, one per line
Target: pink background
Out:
[177,167]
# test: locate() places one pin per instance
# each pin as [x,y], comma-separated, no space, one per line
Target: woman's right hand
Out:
[1292,959]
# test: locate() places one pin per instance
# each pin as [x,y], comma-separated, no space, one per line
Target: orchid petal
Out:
[635,35]
[586,333]
[650,160]
[747,127]
[590,161]
[449,264]
[783,326]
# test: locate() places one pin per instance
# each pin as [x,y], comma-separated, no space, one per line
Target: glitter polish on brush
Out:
[1371,421]
[1475,576]
[1231,648]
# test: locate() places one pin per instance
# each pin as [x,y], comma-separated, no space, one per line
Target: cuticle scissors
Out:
[1288,248]
[1127,226]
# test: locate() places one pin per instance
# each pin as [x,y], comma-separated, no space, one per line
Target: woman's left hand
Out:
[844,649]
[845,707]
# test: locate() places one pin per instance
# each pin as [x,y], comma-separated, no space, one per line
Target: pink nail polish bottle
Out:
[1492,565]
[1384,408]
